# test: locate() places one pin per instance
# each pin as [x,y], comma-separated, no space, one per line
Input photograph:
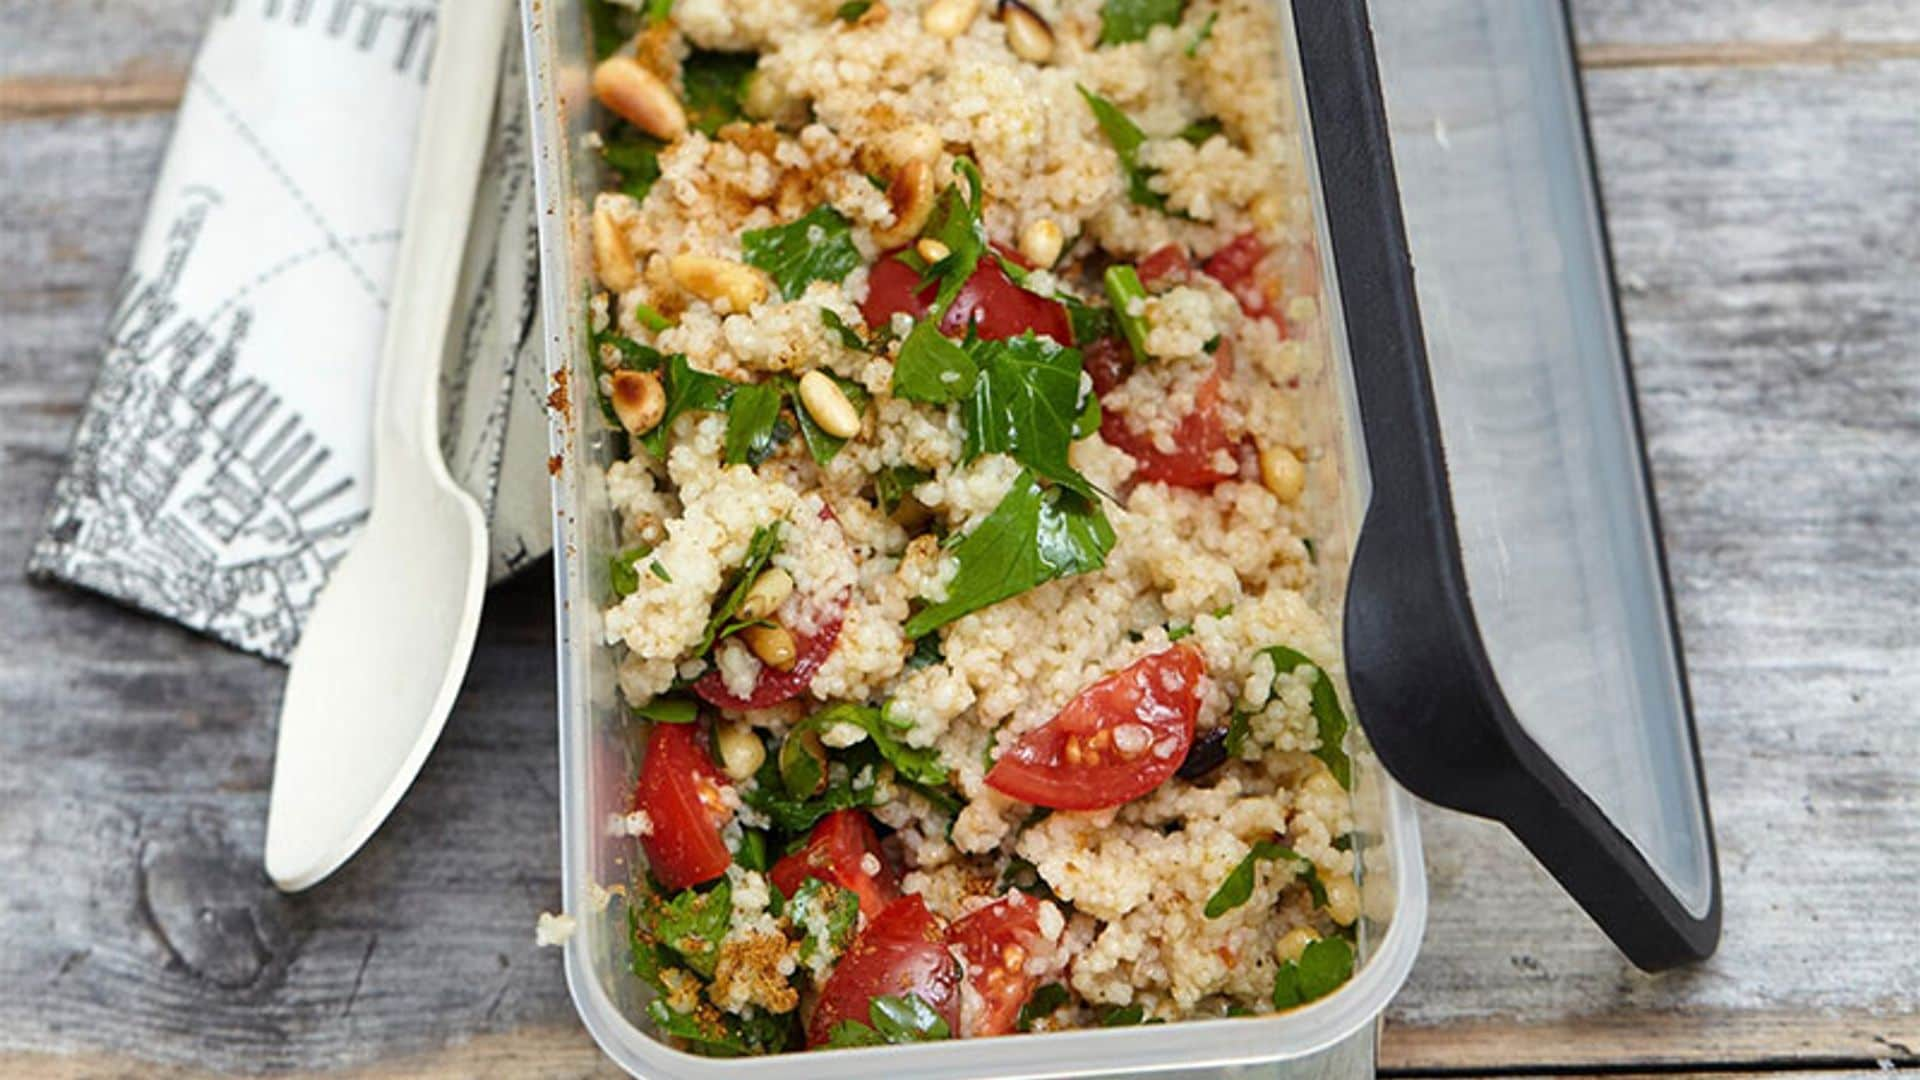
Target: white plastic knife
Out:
[387,644]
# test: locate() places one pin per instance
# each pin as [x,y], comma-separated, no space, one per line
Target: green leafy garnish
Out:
[956,222]
[926,652]
[657,11]
[852,10]
[1206,31]
[1044,1002]
[796,814]
[1322,967]
[715,83]
[1201,130]
[634,155]
[816,247]
[1123,288]
[1122,21]
[803,763]
[1123,1016]
[726,1034]
[1023,876]
[1034,536]
[848,335]
[896,1019]
[659,571]
[752,852]
[1239,884]
[1026,404]
[1332,719]
[1126,138]
[920,764]
[760,550]
[669,710]
[825,914]
[1089,323]
[688,389]
[651,319]
[1239,726]
[610,25]
[692,924]
[932,368]
[753,411]
[892,484]
[1178,631]
[623,574]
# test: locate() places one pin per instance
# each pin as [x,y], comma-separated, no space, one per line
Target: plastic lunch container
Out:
[1510,644]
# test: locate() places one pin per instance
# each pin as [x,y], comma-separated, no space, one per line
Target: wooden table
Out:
[1760,160]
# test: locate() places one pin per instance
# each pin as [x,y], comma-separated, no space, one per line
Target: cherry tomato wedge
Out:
[1236,266]
[997,307]
[1117,740]
[679,789]
[1167,265]
[836,853]
[903,951]
[1108,361]
[775,686]
[996,941]
[1195,460]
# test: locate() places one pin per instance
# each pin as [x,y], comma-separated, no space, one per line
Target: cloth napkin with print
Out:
[221,466]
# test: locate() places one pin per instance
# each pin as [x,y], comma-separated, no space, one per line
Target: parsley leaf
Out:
[1201,130]
[752,852]
[1123,1016]
[760,549]
[1123,288]
[1238,886]
[920,764]
[825,915]
[729,1035]
[852,10]
[659,571]
[892,484]
[848,335]
[1045,1001]
[956,222]
[1206,31]
[622,574]
[1331,718]
[651,319]
[1034,536]
[1122,21]
[634,155]
[896,1019]
[1322,967]
[931,368]
[1089,323]
[692,924]
[816,247]
[1238,728]
[1021,875]
[1026,404]
[715,83]
[1126,138]
[768,794]
[688,389]
[668,710]
[753,411]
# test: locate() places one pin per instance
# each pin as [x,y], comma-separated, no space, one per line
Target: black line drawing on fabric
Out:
[364,24]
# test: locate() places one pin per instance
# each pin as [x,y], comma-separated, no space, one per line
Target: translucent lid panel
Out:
[1537,422]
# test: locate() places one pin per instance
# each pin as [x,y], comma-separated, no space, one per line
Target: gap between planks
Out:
[41,97]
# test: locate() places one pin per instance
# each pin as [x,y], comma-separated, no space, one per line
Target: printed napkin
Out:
[221,466]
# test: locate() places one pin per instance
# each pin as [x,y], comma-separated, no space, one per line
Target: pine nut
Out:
[949,18]
[932,250]
[1293,943]
[1282,473]
[612,255]
[766,594]
[741,751]
[639,97]
[1027,33]
[638,400]
[719,281]
[911,196]
[1343,898]
[1040,242]
[828,405]
[772,644]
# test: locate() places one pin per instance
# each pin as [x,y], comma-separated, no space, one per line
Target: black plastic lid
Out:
[1510,639]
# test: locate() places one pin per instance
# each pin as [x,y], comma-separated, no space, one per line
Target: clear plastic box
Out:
[1333,1037]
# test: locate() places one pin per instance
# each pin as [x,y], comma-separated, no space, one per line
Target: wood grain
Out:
[1767,226]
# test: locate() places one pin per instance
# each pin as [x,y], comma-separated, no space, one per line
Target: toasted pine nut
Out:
[1293,943]
[638,400]
[1028,35]
[932,250]
[716,280]
[1040,242]
[1343,898]
[612,255]
[828,405]
[1322,785]
[639,97]
[911,196]
[772,644]
[766,594]
[741,751]
[760,98]
[949,18]
[1282,473]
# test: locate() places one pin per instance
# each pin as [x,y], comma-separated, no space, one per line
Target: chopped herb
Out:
[728,1035]
[1177,631]
[610,25]
[669,710]
[1238,728]
[660,571]
[760,549]
[796,815]
[752,852]
[651,319]
[816,247]
[1023,876]
[1332,719]
[634,155]
[1343,842]
[621,573]
[826,915]
[1026,404]
[803,763]
[822,446]
[1089,323]
[848,336]
[1044,1002]
[1322,967]
[1313,553]
[1123,288]
[1200,130]
[1126,138]
[1239,884]
[715,83]
[852,10]
[920,764]
[926,652]
[942,799]
[1206,31]
[692,924]
[896,1019]
[753,410]
[1122,21]
[688,389]
[1123,1016]
[956,222]
[657,11]
[891,485]
[1034,536]
[932,369]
